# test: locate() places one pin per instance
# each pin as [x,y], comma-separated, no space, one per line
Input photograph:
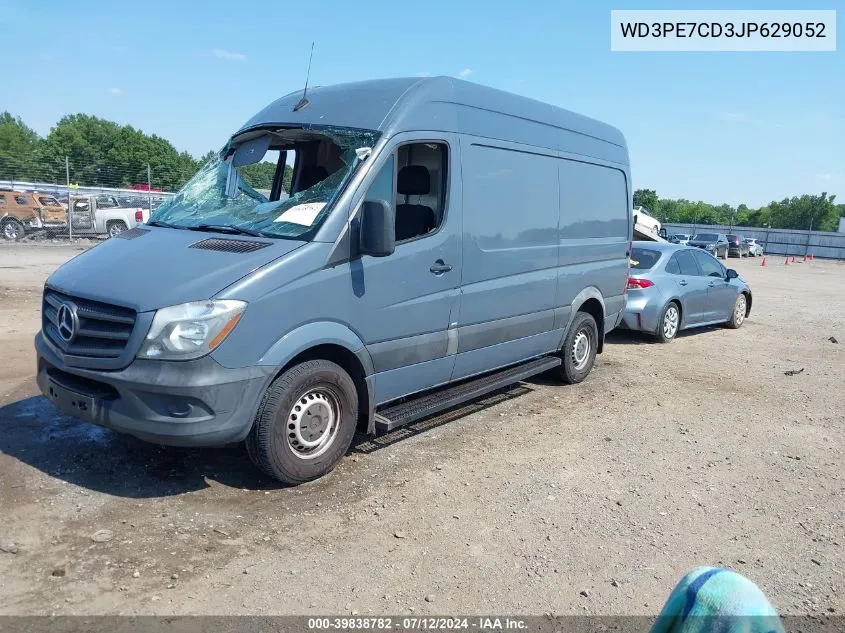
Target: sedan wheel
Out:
[669,323]
[739,311]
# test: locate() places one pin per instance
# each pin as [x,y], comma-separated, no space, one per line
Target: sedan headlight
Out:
[710,247]
[190,330]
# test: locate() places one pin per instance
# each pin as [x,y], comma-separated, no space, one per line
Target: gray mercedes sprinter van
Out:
[438,240]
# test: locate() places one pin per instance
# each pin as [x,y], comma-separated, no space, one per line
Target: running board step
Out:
[434,402]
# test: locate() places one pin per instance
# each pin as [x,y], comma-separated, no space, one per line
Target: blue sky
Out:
[720,127]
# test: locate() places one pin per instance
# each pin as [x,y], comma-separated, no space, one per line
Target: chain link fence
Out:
[80,198]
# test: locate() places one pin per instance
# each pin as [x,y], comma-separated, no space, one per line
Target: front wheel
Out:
[305,422]
[739,312]
[579,349]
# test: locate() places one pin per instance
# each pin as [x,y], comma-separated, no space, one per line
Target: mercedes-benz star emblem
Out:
[67,322]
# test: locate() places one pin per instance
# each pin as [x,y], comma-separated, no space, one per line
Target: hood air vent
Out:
[229,246]
[131,234]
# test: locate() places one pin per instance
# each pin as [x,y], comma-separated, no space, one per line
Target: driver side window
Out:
[710,267]
[413,181]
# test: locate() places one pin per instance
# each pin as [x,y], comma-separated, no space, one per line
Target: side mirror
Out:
[732,274]
[377,235]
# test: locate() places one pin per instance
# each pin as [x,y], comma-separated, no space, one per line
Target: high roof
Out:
[449,105]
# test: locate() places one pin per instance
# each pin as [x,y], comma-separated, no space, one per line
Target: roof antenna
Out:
[304,101]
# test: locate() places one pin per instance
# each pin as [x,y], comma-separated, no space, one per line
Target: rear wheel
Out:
[13,230]
[670,322]
[579,349]
[739,311]
[115,226]
[305,422]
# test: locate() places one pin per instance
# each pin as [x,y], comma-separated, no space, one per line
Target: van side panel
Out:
[510,254]
[594,233]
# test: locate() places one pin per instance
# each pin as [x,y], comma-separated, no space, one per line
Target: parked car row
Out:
[25,212]
[720,244]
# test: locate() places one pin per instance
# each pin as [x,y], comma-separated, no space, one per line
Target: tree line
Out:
[97,152]
[817,212]
[104,153]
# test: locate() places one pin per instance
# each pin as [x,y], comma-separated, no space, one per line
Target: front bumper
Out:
[187,403]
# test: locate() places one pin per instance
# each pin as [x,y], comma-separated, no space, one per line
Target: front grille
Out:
[103,332]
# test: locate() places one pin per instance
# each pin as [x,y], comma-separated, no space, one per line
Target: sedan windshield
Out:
[705,237]
[218,196]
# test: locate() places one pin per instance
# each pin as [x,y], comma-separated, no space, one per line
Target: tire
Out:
[738,314]
[306,391]
[577,364]
[667,334]
[13,230]
[727,254]
[115,226]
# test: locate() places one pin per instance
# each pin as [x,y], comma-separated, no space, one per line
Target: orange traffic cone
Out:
[805,258]
[763,263]
[812,259]
[786,262]
[793,259]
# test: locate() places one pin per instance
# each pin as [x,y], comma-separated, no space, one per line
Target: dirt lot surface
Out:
[543,499]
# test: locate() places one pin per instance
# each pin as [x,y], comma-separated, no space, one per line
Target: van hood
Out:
[153,267]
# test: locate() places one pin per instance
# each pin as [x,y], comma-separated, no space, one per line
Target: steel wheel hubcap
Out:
[11,231]
[580,349]
[739,311]
[312,424]
[115,229]
[670,322]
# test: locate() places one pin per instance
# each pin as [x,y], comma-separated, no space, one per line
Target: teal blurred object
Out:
[716,600]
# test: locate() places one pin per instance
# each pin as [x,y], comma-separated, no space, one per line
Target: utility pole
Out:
[809,235]
[69,206]
[149,188]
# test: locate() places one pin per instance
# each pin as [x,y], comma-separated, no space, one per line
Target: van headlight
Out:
[190,330]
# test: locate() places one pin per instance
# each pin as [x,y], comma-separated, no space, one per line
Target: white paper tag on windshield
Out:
[303,214]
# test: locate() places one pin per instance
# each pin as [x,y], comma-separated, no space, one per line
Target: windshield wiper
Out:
[165,225]
[233,230]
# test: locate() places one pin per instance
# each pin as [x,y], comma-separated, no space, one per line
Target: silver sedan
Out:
[673,287]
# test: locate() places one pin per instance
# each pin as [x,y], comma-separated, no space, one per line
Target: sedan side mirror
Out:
[732,274]
[377,235]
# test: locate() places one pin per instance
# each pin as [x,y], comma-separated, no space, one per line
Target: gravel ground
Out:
[541,499]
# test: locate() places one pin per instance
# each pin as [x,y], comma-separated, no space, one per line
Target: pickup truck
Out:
[103,214]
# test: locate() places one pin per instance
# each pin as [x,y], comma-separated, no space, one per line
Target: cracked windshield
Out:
[303,171]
